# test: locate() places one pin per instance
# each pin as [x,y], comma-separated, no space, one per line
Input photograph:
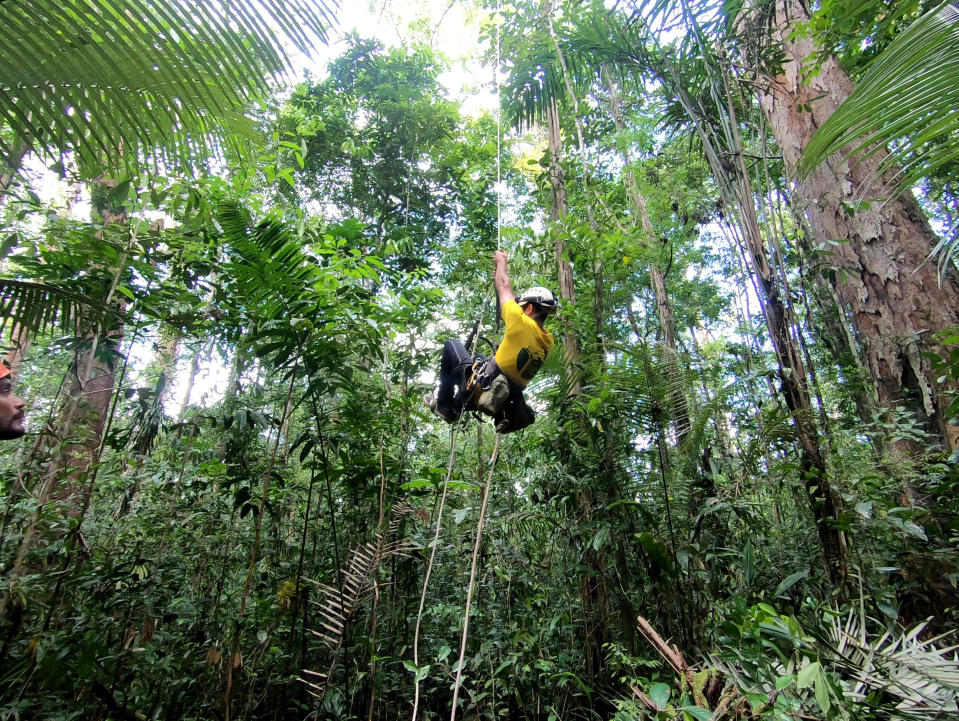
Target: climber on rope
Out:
[494,386]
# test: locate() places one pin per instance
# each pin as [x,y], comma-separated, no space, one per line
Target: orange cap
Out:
[4,371]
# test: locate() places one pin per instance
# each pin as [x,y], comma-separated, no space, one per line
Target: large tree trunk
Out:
[668,336]
[794,384]
[593,589]
[87,407]
[83,418]
[895,298]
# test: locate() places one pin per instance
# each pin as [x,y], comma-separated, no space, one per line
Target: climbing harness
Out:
[492,393]
[486,389]
[499,434]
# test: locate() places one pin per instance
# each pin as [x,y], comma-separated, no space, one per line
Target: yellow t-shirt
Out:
[524,347]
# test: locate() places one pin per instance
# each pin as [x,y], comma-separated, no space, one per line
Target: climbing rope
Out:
[429,569]
[439,524]
[499,133]
[492,467]
[469,592]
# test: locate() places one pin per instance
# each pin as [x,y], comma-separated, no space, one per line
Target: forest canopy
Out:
[235,237]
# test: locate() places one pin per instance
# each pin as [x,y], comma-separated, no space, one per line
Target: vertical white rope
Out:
[429,570]
[499,225]
[449,471]
[469,592]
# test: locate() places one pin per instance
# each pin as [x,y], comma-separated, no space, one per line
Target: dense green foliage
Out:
[231,491]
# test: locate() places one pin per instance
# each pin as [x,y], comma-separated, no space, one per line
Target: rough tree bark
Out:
[895,298]
[82,421]
[86,408]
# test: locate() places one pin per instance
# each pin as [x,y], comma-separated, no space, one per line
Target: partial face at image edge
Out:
[12,413]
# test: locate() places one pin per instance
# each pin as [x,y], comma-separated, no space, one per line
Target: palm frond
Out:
[653,375]
[268,262]
[336,607]
[122,81]
[907,102]
[39,308]
[699,426]
[921,673]
[895,675]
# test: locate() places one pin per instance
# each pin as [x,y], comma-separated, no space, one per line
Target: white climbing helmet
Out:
[539,296]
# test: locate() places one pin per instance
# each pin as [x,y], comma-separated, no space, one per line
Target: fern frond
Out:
[337,608]
[922,674]
[908,95]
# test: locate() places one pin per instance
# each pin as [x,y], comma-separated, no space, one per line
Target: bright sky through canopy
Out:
[448,27]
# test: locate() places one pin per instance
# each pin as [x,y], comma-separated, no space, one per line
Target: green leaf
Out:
[788,582]
[784,681]
[656,550]
[39,307]
[419,672]
[807,675]
[134,83]
[748,563]
[908,95]
[910,527]
[822,692]
[417,483]
[601,535]
[887,608]
[10,241]
[659,693]
[914,529]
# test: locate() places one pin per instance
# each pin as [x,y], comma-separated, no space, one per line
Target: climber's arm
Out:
[504,288]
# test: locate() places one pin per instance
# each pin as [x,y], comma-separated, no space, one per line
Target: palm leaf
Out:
[41,307]
[127,81]
[650,371]
[268,262]
[895,675]
[337,607]
[906,101]
[699,427]
[921,673]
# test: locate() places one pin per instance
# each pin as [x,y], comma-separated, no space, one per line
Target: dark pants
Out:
[454,373]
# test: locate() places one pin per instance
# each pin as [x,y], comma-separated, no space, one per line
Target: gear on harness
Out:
[492,393]
[488,388]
